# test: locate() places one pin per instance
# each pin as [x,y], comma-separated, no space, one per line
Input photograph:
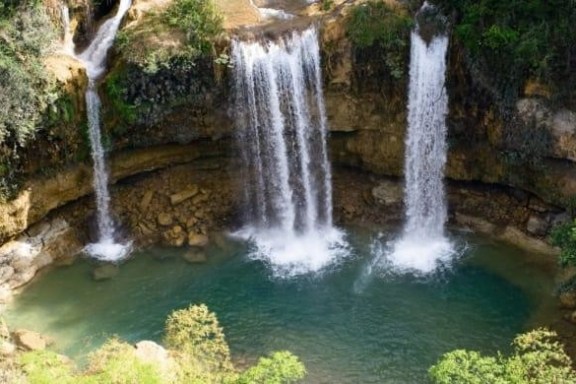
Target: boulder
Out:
[195,256]
[182,196]
[105,272]
[175,237]
[165,219]
[146,199]
[537,225]
[29,340]
[197,240]
[152,353]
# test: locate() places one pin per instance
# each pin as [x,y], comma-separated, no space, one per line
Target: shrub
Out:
[179,35]
[279,368]
[46,367]
[536,359]
[196,332]
[564,236]
[116,363]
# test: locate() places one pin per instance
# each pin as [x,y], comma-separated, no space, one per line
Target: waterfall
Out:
[423,244]
[282,129]
[94,59]
[67,42]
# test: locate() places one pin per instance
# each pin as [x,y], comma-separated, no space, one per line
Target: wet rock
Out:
[197,240]
[6,272]
[29,340]
[191,222]
[568,299]
[388,192]
[105,272]
[182,196]
[571,317]
[165,219]
[537,225]
[175,237]
[146,199]
[194,256]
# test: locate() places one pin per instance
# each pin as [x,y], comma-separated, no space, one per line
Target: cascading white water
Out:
[423,244]
[282,135]
[67,43]
[94,59]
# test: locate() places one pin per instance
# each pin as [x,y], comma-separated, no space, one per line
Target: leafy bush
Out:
[280,367]
[564,236]
[536,359]
[46,367]
[181,34]
[195,331]
[116,363]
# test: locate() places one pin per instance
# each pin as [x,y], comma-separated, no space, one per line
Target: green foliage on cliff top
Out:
[536,359]
[26,89]
[199,354]
[184,31]
[383,29]
[510,42]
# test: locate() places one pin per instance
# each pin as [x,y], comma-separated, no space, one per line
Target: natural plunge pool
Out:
[345,325]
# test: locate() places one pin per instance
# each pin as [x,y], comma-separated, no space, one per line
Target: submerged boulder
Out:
[195,256]
[29,340]
[105,272]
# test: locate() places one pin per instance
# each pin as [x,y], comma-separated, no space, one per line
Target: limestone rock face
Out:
[387,193]
[39,246]
[29,341]
[561,125]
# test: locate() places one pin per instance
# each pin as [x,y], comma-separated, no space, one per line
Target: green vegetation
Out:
[25,90]
[510,42]
[383,31]
[564,236]
[536,359]
[198,354]
[180,34]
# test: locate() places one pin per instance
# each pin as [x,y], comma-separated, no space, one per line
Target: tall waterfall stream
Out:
[94,59]
[282,130]
[423,245]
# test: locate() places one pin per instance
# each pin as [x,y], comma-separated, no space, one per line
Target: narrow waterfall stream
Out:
[282,136]
[423,244]
[94,58]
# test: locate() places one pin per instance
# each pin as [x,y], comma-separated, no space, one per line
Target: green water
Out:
[346,325]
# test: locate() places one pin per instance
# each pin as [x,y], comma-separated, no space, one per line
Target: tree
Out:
[537,358]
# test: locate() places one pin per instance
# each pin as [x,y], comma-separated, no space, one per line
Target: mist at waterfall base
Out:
[423,245]
[390,328]
[282,129]
[107,248]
